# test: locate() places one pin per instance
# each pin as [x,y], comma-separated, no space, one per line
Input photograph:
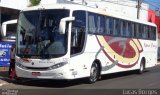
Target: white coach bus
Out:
[69,41]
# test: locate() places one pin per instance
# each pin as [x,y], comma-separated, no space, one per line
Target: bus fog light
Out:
[59,75]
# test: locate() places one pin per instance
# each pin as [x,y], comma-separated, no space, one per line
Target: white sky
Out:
[16,4]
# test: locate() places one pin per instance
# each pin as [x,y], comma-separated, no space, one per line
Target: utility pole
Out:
[139,7]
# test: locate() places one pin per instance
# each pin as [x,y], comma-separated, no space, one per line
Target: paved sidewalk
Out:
[2,83]
[4,78]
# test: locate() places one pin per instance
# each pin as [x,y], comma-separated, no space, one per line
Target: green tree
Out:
[34,2]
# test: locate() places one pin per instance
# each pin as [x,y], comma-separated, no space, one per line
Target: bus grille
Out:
[39,69]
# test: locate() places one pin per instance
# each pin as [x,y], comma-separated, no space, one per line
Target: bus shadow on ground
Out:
[68,83]
[121,74]
[48,83]
[40,82]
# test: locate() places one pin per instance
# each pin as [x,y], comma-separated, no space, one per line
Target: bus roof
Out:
[93,9]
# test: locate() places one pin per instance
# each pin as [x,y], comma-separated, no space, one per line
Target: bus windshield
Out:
[37,34]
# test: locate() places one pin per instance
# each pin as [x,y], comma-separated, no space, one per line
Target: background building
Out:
[9,9]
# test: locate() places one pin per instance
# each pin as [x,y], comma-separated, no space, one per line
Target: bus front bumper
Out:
[59,73]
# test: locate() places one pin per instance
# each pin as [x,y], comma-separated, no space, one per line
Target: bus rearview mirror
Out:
[62,25]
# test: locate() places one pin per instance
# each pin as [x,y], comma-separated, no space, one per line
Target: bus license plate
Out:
[36,73]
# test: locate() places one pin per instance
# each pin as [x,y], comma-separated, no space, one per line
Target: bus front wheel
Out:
[94,73]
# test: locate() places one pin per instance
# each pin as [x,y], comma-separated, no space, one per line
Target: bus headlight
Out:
[58,65]
[19,65]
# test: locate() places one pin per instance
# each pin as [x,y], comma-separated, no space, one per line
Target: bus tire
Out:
[94,73]
[142,67]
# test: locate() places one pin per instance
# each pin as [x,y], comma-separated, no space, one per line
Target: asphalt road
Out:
[150,79]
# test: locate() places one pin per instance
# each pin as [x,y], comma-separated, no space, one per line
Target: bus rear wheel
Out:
[94,73]
[142,67]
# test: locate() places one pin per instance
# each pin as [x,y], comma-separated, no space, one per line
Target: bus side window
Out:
[129,29]
[111,25]
[107,26]
[133,30]
[123,28]
[92,24]
[153,33]
[77,39]
[145,32]
[117,27]
[140,30]
[78,32]
[100,24]
[148,31]
[109,22]
[137,30]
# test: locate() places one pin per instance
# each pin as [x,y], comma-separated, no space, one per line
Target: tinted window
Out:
[133,30]
[129,29]
[78,32]
[145,32]
[111,25]
[140,30]
[92,19]
[107,26]
[123,28]
[100,24]
[104,25]
[117,27]
[152,33]
[137,30]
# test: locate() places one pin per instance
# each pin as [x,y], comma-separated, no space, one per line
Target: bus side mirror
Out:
[62,25]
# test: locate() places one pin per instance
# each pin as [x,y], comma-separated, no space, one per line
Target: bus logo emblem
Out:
[32,63]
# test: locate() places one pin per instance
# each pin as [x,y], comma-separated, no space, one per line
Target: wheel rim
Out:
[141,68]
[94,73]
